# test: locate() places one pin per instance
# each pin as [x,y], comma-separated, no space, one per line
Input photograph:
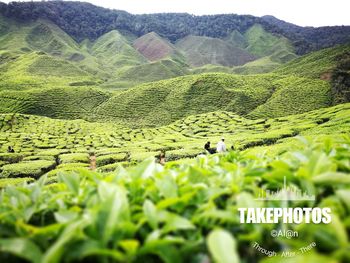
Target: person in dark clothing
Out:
[10,149]
[162,158]
[207,148]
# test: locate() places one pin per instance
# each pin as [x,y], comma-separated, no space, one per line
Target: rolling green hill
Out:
[65,103]
[160,103]
[165,101]
[260,42]
[38,70]
[28,48]
[44,36]
[158,70]
[317,64]
[154,48]
[114,50]
[112,62]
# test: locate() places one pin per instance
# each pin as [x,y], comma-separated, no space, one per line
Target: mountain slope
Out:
[262,43]
[162,102]
[200,51]
[317,64]
[158,70]
[298,87]
[21,38]
[236,39]
[165,101]
[113,49]
[63,103]
[39,70]
[154,47]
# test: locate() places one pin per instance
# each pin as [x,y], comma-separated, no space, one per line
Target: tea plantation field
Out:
[47,146]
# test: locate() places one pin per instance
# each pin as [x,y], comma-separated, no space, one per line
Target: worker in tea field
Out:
[162,158]
[10,149]
[210,150]
[221,146]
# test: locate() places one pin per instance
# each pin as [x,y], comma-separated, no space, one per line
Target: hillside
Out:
[262,43]
[114,49]
[122,59]
[200,51]
[165,101]
[47,64]
[313,81]
[28,48]
[154,48]
[64,103]
[316,64]
[158,70]
[38,70]
[162,102]
[255,52]
[94,21]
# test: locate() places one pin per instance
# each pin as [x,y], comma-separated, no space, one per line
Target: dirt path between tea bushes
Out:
[93,162]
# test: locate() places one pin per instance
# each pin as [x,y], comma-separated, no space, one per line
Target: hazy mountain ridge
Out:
[122,60]
[80,27]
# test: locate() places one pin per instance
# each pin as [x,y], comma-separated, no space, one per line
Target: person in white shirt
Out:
[221,146]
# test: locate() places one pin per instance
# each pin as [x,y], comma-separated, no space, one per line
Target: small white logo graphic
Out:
[290,193]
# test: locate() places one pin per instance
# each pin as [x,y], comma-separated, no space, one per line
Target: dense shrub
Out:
[27,169]
[110,159]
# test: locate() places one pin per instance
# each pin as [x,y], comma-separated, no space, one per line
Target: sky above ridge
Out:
[300,12]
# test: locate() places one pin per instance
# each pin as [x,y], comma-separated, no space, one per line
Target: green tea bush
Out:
[11,157]
[70,166]
[27,169]
[112,167]
[182,154]
[110,159]
[5,182]
[74,158]
[38,157]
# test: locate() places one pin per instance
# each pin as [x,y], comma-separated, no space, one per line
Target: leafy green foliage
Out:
[222,246]
[33,169]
